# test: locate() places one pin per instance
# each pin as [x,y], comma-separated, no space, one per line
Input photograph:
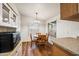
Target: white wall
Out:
[25,23]
[24,26]
[65,28]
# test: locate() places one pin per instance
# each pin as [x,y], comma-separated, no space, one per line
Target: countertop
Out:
[69,44]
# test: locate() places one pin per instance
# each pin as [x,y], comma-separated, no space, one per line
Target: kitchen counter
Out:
[69,44]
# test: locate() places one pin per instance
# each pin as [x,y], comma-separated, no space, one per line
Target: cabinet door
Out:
[5,13]
[68,9]
[0,13]
[12,18]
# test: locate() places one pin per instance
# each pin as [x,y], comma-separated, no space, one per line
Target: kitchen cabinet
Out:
[5,13]
[8,15]
[69,11]
[13,18]
[4,19]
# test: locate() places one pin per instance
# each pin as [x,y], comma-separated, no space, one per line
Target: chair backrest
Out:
[33,36]
[44,37]
[30,36]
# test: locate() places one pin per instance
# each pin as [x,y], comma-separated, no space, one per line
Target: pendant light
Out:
[36,21]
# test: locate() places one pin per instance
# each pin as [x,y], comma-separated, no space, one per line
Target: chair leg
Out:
[31,43]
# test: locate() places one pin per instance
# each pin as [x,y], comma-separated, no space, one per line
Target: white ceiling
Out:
[45,10]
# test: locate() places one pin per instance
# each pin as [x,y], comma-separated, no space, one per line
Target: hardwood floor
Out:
[34,50]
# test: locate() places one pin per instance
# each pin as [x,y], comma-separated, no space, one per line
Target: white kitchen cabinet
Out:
[5,21]
[0,13]
[13,18]
[11,14]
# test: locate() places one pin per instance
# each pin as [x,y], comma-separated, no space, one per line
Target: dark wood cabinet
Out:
[69,11]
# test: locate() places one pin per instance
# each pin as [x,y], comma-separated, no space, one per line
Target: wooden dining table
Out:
[39,38]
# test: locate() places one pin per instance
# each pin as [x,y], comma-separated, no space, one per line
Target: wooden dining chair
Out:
[32,38]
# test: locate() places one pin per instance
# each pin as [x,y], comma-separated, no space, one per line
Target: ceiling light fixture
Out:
[36,21]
